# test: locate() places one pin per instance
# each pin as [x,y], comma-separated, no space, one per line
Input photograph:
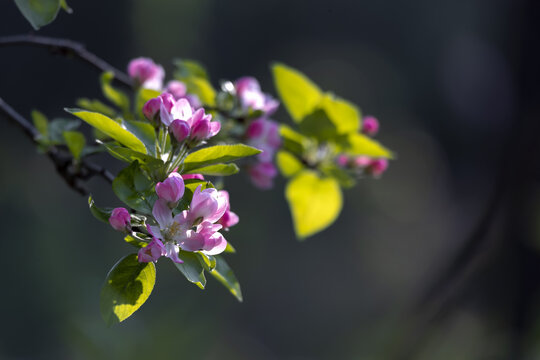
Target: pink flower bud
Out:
[176,88]
[151,108]
[120,219]
[171,189]
[229,218]
[208,205]
[168,101]
[370,125]
[378,167]
[146,73]
[180,130]
[262,175]
[342,160]
[362,161]
[202,127]
[193,176]
[151,252]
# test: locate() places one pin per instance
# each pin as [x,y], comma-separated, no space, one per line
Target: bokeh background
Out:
[436,260]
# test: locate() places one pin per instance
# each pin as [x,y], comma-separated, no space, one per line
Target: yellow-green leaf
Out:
[127,286]
[75,142]
[315,202]
[299,94]
[112,94]
[288,164]
[359,144]
[344,115]
[217,154]
[224,274]
[111,128]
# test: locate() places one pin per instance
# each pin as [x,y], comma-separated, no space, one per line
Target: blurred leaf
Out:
[191,268]
[359,144]
[217,154]
[288,164]
[344,115]
[225,275]
[135,189]
[57,127]
[41,123]
[153,166]
[112,94]
[96,106]
[293,141]
[75,142]
[216,170]
[39,12]
[65,6]
[345,180]
[230,249]
[99,213]
[110,128]
[299,94]
[190,68]
[318,125]
[127,286]
[315,202]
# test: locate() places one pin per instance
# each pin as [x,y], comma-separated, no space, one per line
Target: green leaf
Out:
[359,144]
[293,141]
[41,123]
[75,142]
[207,261]
[144,132]
[99,213]
[288,164]
[115,96]
[111,128]
[229,249]
[65,6]
[344,115]
[191,268]
[135,189]
[190,68]
[225,275]
[127,286]
[133,241]
[299,94]
[345,180]
[217,154]
[318,125]
[314,202]
[57,127]
[96,106]
[216,170]
[39,12]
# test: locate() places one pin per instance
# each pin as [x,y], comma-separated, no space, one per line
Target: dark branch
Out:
[74,174]
[66,48]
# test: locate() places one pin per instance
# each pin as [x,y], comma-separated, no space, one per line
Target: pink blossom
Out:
[176,88]
[153,106]
[370,125]
[192,176]
[151,252]
[362,161]
[264,135]
[180,130]
[120,219]
[250,95]
[171,189]
[262,175]
[378,167]
[229,218]
[342,160]
[202,127]
[207,205]
[146,73]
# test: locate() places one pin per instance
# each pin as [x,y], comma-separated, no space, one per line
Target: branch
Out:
[67,48]
[74,175]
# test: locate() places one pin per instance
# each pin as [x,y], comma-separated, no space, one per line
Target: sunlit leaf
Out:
[344,115]
[191,268]
[359,144]
[315,202]
[216,170]
[96,106]
[75,142]
[217,154]
[41,123]
[127,286]
[299,94]
[111,128]
[288,164]
[112,94]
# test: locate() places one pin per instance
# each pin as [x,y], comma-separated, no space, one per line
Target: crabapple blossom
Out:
[262,175]
[120,219]
[370,125]
[146,73]
[171,189]
[250,96]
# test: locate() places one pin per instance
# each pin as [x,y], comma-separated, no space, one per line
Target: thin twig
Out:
[73,174]
[66,47]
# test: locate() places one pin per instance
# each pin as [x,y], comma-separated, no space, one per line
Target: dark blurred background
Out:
[436,260]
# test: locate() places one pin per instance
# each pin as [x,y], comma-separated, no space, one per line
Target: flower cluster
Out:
[365,164]
[194,229]
[262,133]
